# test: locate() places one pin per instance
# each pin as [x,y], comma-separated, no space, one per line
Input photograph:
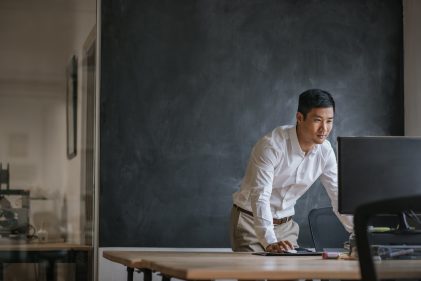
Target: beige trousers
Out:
[243,237]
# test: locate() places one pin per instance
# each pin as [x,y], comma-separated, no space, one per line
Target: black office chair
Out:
[361,221]
[326,230]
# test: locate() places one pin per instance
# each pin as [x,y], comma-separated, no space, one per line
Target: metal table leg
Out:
[147,275]
[130,273]
[49,267]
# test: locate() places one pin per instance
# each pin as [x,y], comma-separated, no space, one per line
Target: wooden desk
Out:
[49,253]
[208,266]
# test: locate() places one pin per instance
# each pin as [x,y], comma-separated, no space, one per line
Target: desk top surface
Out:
[226,265]
[44,247]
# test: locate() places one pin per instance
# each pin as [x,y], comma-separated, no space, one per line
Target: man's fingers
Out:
[276,248]
[283,245]
[279,246]
[289,244]
[273,248]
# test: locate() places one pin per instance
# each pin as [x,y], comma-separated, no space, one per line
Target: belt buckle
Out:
[282,220]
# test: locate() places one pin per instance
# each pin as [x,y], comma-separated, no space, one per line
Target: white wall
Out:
[37,41]
[412,66]
[34,53]
[32,141]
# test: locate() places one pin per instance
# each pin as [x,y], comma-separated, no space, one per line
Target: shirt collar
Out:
[296,145]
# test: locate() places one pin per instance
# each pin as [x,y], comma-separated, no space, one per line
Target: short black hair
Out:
[314,98]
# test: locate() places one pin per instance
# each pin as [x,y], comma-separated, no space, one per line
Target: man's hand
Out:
[279,247]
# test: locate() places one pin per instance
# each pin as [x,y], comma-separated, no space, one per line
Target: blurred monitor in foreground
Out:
[377,168]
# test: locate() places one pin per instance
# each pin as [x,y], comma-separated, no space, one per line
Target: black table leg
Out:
[50,270]
[130,273]
[81,266]
[147,275]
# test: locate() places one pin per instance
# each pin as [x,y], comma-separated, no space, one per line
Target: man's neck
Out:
[305,146]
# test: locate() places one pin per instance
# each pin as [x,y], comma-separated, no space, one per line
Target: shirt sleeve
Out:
[329,179]
[260,175]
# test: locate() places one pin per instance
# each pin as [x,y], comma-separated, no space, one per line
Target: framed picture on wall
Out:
[71,107]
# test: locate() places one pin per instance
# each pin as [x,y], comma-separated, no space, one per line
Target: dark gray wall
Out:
[187,88]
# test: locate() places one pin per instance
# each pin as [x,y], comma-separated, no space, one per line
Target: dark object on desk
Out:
[326,229]
[14,213]
[361,221]
[405,252]
[300,252]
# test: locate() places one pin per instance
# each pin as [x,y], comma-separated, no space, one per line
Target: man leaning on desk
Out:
[282,167]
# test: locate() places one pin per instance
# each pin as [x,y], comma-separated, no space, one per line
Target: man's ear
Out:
[300,117]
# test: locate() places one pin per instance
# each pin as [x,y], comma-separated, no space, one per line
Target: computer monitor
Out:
[377,168]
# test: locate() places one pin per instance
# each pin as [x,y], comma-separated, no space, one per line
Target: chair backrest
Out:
[326,229]
[361,221]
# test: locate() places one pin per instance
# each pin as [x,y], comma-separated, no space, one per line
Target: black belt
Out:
[275,221]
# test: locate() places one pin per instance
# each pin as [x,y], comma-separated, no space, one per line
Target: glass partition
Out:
[47,153]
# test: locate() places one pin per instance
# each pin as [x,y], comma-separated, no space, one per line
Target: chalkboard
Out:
[188,87]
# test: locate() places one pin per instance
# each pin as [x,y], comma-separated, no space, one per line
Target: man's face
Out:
[315,128]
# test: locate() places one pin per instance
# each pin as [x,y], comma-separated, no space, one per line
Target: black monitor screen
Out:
[376,168]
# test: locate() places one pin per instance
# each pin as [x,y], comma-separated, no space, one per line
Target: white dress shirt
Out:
[279,173]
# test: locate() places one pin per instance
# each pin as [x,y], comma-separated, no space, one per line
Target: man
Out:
[282,167]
